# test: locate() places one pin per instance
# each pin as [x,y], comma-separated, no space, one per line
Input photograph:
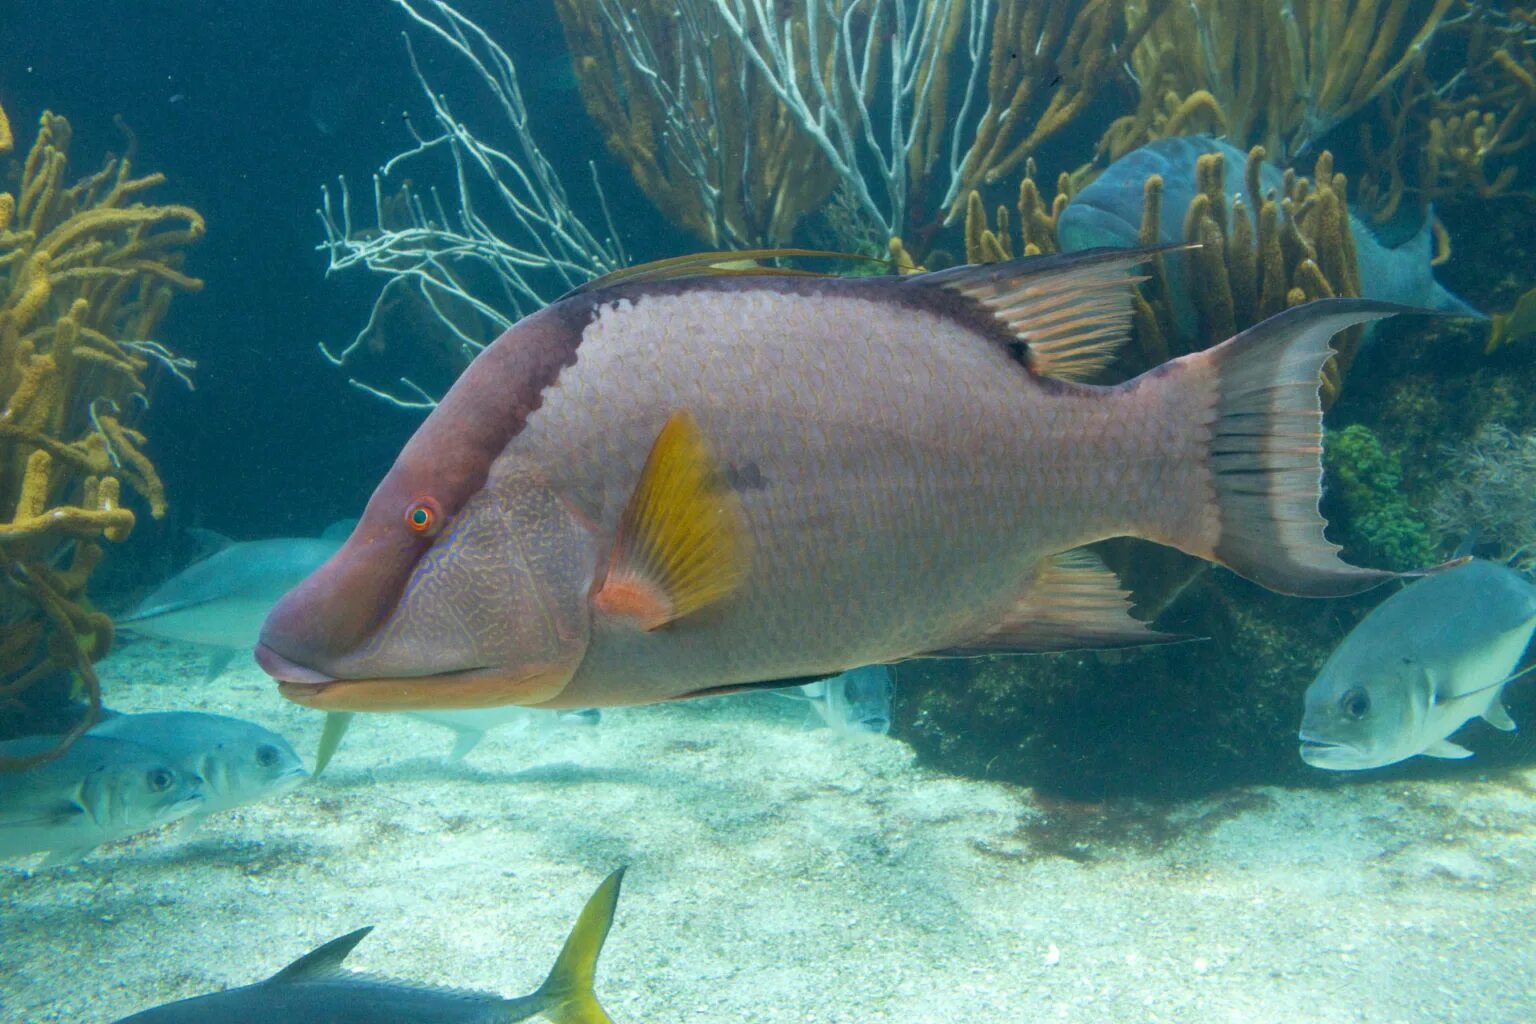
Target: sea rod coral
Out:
[87,271]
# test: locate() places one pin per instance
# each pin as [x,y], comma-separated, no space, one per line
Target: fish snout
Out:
[1321,753]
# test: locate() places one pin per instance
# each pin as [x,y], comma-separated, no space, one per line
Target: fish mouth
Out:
[285,671]
[468,688]
[1326,753]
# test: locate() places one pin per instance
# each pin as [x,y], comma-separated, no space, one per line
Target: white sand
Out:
[782,875]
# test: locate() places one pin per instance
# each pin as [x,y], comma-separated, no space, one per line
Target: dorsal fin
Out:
[322,961]
[741,263]
[1071,311]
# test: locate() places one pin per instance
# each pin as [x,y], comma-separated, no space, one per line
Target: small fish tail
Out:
[1259,398]
[567,996]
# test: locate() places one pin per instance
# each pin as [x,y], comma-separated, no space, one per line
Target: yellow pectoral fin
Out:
[683,541]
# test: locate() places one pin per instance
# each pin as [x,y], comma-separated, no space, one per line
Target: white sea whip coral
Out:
[501,218]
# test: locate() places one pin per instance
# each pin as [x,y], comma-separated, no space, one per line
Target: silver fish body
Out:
[1424,662]
[99,790]
[239,762]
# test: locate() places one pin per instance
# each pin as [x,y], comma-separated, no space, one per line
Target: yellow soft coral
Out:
[86,271]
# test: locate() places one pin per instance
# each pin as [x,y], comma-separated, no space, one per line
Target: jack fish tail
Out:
[567,997]
[1256,399]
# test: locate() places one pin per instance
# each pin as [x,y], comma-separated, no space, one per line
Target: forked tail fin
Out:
[566,997]
[1265,455]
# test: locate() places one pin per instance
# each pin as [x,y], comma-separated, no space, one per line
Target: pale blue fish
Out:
[317,989]
[239,762]
[469,726]
[99,790]
[221,601]
[857,701]
[1108,212]
[1424,662]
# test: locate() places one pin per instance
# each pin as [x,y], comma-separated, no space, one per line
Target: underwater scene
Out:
[826,511]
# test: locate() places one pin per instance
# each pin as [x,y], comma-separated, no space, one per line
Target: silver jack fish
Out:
[316,988]
[239,762]
[678,483]
[1424,662]
[98,790]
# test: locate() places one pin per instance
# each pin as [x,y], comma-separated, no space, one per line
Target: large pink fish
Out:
[669,485]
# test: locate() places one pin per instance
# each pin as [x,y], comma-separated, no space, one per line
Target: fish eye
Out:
[424,518]
[159,779]
[266,755]
[1356,703]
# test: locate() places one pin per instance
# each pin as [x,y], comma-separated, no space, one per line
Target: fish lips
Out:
[1326,754]
[286,671]
[468,688]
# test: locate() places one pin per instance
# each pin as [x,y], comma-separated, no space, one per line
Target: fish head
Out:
[863,700]
[428,605]
[1363,717]
[138,793]
[258,764]
[465,581]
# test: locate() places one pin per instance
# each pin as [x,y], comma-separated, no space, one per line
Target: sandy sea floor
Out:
[785,875]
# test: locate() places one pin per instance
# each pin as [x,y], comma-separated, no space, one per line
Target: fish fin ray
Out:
[1265,450]
[1498,717]
[1071,311]
[719,264]
[682,542]
[464,740]
[65,813]
[218,661]
[1447,750]
[321,962]
[567,997]
[1072,602]
[336,725]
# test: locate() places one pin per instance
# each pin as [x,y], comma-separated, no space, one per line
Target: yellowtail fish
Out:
[678,482]
[316,988]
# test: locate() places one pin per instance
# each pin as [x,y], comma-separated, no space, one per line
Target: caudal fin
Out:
[1265,454]
[566,997]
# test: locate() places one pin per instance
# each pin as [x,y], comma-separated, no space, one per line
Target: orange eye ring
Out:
[423,518]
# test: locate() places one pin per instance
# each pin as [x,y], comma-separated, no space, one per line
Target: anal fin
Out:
[1447,750]
[1499,718]
[1072,602]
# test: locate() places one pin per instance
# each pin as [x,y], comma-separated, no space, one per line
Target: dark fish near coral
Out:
[239,762]
[1108,212]
[1425,661]
[315,989]
[99,790]
[669,484]
[221,601]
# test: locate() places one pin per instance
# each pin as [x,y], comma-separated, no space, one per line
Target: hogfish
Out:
[676,482]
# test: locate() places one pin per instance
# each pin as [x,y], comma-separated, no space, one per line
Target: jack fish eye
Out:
[1355,703]
[159,780]
[266,755]
[424,518]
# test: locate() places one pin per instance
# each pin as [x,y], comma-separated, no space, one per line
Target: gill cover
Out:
[495,612]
